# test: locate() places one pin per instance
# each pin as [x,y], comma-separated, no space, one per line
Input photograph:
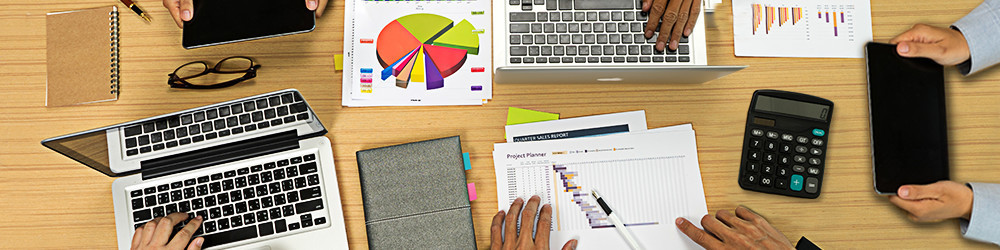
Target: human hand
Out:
[943,45]
[745,230]
[156,233]
[933,202]
[673,17]
[183,10]
[523,240]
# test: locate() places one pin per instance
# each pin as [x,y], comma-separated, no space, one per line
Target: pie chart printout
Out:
[424,48]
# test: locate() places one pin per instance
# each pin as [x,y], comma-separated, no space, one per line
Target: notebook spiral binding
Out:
[115,85]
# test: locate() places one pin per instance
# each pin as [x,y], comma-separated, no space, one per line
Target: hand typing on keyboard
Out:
[183,10]
[673,17]
[155,234]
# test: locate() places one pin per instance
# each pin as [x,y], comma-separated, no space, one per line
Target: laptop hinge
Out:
[221,154]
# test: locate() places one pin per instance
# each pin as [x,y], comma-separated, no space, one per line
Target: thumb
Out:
[918,192]
[196,243]
[570,245]
[916,49]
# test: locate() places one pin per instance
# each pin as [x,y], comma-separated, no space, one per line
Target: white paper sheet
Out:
[649,182]
[579,126]
[365,21]
[787,28]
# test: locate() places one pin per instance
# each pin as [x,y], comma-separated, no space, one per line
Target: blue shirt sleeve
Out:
[981,29]
[984,224]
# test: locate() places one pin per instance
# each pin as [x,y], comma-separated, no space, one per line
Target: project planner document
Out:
[649,182]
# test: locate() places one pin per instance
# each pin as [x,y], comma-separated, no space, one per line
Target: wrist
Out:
[967,211]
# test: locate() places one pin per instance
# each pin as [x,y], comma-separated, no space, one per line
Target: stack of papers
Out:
[417,53]
[650,177]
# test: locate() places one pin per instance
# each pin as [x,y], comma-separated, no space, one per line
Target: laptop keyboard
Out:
[592,31]
[240,202]
[215,122]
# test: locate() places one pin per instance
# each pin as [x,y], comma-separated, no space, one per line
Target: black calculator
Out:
[784,148]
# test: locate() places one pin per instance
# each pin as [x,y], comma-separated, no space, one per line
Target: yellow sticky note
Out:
[338,62]
[519,116]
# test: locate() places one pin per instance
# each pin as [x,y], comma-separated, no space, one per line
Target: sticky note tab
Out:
[519,116]
[468,163]
[472,192]
[338,62]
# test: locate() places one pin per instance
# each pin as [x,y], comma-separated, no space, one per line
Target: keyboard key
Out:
[262,215]
[234,235]
[279,200]
[215,212]
[222,198]
[302,116]
[307,168]
[309,157]
[176,196]
[293,226]
[249,106]
[199,116]
[159,212]
[236,221]
[137,203]
[320,220]
[214,187]
[279,226]
[261,103]
[133,130]
[309,193]
[522,17]
[143,140]
[313,179]
[241,207]
[184,206]
[142,215]
[309,206]
[186,119]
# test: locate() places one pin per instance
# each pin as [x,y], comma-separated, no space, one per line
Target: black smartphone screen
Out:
[225,21]
[908,128]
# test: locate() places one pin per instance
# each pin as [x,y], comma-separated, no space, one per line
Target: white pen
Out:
[613,217]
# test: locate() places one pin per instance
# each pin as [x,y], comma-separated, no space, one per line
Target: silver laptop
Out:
[258,169]
[591,41]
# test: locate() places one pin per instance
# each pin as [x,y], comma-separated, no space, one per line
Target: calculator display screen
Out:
[792,107]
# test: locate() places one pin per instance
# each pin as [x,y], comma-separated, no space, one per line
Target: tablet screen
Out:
[908,129]
[224,21]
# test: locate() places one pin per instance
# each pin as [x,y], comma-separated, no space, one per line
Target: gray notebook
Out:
[415,196]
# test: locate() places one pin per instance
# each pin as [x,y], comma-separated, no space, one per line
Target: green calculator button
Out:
[818,132]
[796,183]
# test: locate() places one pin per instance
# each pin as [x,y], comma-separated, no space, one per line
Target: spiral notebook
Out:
[82,59]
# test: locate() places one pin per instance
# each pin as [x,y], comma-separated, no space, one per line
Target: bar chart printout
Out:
[648,188]
[781,28]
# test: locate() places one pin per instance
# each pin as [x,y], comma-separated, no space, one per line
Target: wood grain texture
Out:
[51,202]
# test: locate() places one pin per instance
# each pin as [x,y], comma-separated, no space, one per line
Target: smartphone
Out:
[909,132]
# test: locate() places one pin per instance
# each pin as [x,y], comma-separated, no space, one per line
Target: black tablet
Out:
[907,111]
[226,21]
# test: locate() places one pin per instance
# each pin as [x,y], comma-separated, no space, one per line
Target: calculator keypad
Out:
[783,162]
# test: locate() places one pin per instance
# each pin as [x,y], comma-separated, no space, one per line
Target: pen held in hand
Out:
[613,217]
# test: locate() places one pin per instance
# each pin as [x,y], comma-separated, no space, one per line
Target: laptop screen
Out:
[89,148]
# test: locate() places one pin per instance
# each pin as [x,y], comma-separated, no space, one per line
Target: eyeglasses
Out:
[196,75]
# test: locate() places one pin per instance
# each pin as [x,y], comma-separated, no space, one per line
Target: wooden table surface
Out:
[50,201]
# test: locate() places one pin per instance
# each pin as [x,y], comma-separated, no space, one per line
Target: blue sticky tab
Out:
[366,70]
[465,158]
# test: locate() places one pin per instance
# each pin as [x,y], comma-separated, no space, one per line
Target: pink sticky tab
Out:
[472,192]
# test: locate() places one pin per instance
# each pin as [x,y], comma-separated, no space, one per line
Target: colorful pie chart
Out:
[424,48]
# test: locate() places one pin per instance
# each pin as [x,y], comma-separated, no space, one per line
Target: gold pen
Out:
[135,8]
